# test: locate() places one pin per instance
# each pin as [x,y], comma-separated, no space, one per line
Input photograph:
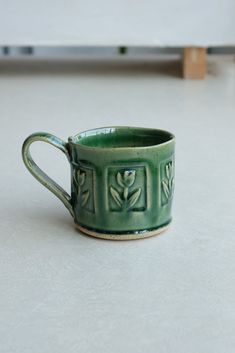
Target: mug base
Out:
[123,236]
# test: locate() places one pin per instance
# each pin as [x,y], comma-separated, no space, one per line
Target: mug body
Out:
[122,181]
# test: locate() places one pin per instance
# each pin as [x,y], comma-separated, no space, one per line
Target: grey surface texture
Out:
[61,291]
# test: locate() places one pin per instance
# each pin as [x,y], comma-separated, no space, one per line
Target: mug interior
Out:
[119,137]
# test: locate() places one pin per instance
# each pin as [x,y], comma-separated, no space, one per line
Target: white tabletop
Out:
[65,292]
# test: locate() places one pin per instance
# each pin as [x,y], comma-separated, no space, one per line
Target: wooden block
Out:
[194,63]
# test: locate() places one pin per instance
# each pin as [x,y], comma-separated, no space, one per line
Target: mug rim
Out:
[74,140]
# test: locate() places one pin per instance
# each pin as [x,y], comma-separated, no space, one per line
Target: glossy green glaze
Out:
[122,179]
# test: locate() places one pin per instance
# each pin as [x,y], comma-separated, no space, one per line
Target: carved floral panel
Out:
[127,188]
[83,181]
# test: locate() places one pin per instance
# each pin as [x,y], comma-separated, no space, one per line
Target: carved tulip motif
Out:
[81,177]
[126,200]
[168,181]
[83,195]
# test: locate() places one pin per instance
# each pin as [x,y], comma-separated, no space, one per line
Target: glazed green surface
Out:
[122,179]
[117,137]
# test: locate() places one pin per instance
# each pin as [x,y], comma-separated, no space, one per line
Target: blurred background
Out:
[70,66]
[108,28]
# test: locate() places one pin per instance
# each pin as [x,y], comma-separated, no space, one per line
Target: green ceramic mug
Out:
[122,180]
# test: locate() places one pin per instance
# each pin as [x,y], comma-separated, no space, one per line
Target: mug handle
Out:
[42,177]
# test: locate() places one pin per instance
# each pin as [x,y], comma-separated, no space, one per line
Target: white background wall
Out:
[109,22]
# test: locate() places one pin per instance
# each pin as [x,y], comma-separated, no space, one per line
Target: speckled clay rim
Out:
[127,236]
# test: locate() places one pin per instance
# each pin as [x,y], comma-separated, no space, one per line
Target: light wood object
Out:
[194,63]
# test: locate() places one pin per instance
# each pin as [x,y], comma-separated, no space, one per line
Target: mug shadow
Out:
[51,218]
[65,222]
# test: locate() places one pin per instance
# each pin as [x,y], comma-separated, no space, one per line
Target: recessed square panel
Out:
[127,188]
[167,181]
[84,187]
